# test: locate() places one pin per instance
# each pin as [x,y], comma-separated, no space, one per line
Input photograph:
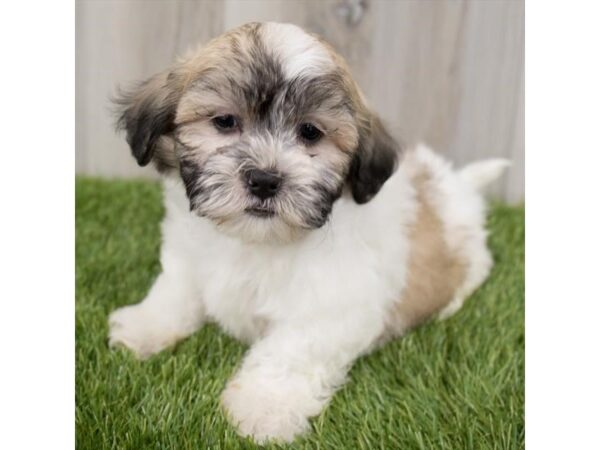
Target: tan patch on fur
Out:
[218,54]
[435,272]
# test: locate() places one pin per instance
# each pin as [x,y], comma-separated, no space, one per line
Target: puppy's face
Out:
[265,127]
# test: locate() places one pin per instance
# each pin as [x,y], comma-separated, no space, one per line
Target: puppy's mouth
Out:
[262,212]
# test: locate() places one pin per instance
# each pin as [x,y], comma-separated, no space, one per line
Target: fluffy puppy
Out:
[293,220]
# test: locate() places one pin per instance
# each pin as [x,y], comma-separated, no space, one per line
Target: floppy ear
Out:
[146,114]
[374,162]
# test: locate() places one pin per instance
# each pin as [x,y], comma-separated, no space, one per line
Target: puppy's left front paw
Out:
[267,412]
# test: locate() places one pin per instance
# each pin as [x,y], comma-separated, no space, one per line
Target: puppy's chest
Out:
[248,291]
[245,292]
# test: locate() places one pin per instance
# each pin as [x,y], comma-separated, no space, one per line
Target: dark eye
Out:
[309,133]
[225,123]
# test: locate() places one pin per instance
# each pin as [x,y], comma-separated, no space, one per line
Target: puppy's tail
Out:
[481,173]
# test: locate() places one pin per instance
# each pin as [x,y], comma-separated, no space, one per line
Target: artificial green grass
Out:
[457,384]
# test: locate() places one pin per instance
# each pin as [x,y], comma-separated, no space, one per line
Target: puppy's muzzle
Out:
[263,184]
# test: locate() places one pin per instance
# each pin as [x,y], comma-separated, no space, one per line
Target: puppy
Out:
[294,220]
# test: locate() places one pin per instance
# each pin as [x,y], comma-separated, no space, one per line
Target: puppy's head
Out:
[265,127]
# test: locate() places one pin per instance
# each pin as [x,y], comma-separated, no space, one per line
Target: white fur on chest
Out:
[356,262]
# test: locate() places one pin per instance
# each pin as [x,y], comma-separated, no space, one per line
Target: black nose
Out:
[263,184]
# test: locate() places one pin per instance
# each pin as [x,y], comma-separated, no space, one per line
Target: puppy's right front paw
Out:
[140,330]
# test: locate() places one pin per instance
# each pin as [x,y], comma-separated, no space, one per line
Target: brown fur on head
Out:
[262,102]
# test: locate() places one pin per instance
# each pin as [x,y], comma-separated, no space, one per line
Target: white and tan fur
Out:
[309,302]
